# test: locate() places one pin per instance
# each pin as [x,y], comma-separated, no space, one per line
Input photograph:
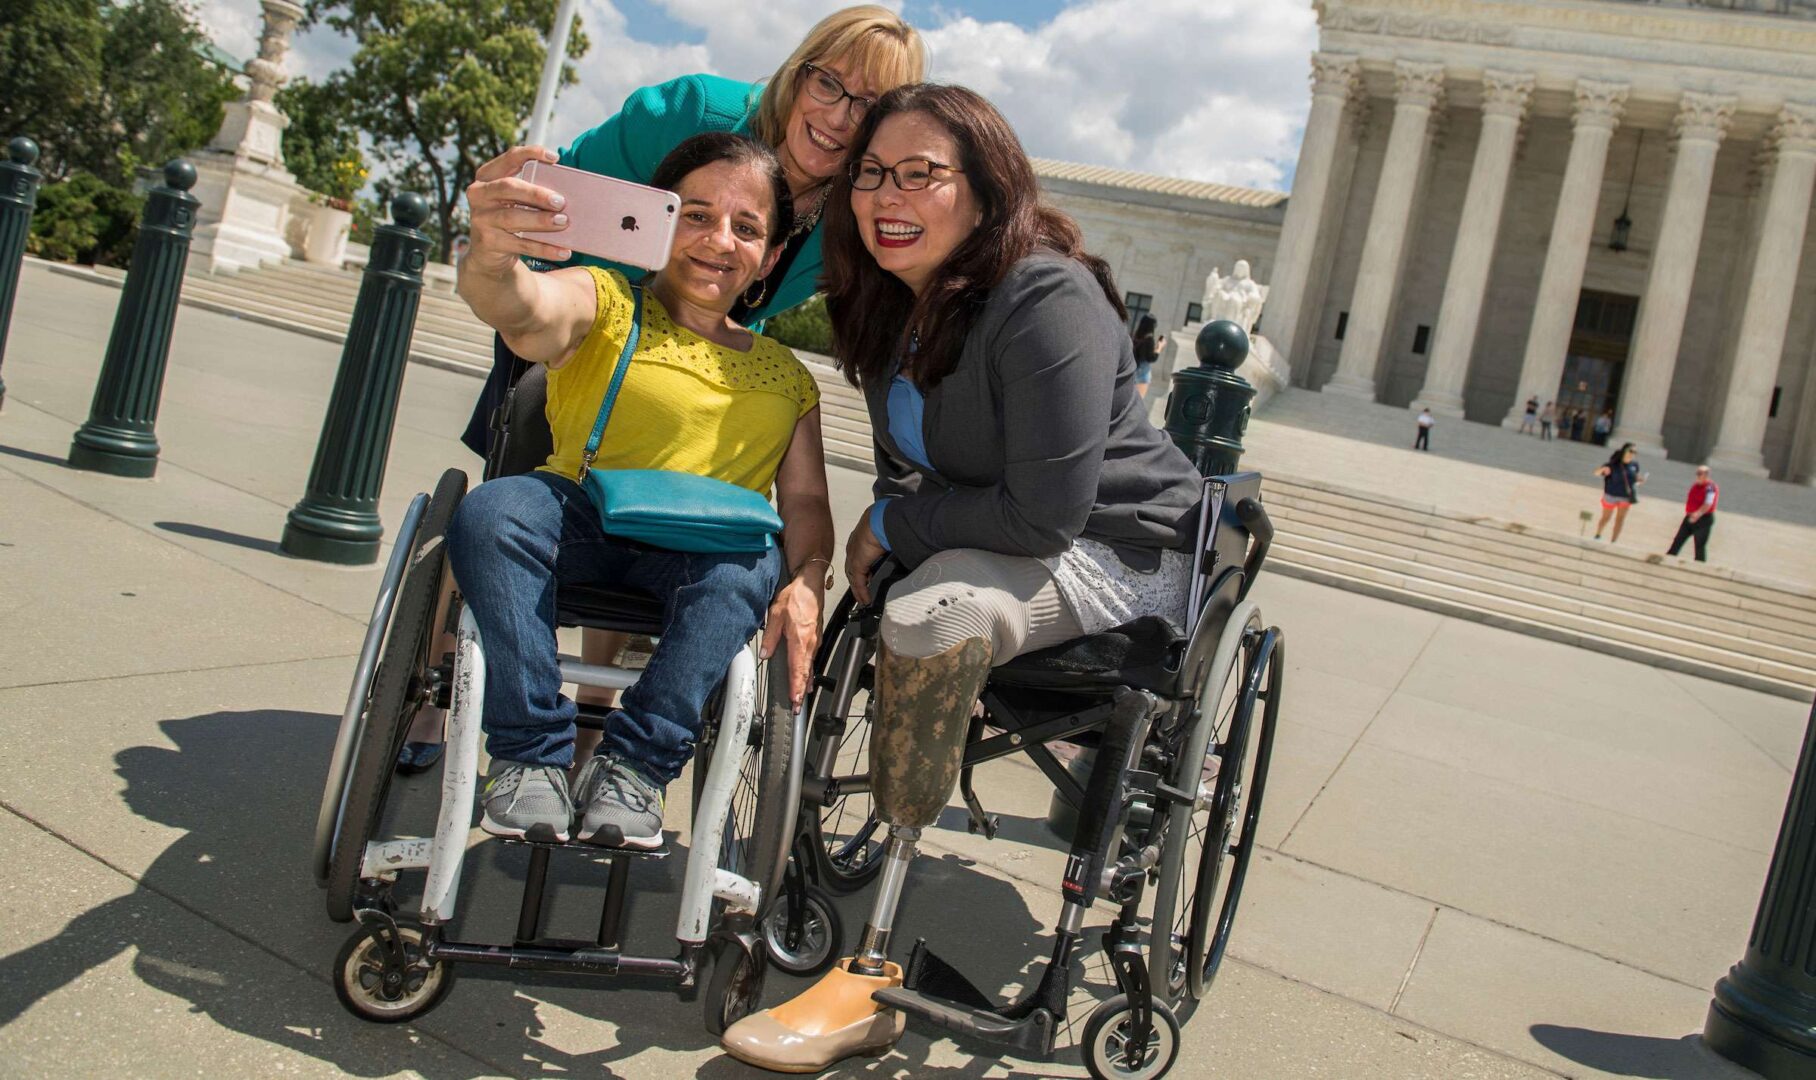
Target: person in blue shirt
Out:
[1621,479]
[808,111]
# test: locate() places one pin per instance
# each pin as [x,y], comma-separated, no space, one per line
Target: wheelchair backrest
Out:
[521,440]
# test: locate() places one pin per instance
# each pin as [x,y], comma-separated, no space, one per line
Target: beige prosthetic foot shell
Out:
[832,1020]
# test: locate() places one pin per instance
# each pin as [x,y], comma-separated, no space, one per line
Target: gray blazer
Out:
[1038,436]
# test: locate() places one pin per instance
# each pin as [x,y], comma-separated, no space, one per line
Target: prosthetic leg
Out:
[922,712]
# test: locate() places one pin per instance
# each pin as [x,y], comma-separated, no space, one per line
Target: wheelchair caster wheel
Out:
[736,983]
[1109,1042]
[381,976]
[815,947]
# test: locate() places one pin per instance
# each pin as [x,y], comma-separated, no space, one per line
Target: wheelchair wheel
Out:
[759,821]
[1108,1036]
[1234,814]
[815,946]
[370,990]
[847,838]
[402,685]
[736,984]
[1174,968]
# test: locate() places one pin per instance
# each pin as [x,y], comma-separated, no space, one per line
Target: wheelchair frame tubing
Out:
[459,774]
[705,879]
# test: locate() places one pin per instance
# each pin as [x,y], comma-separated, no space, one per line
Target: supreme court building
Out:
[1602,203]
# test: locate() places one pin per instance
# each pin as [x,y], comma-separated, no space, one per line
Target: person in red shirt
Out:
[1699,515]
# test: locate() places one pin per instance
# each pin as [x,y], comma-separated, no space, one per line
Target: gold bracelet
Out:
[803,567]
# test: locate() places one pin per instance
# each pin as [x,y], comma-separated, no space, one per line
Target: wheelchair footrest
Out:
[937,992]
[585,848]
[1032,1035]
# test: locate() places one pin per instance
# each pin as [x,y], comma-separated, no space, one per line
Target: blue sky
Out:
[1207,89]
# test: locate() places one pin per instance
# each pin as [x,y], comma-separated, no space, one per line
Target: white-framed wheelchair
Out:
[1181,726]
[746,778]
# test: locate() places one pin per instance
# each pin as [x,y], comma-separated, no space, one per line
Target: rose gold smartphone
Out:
[608,218]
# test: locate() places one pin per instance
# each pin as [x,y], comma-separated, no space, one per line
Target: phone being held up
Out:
[608,218]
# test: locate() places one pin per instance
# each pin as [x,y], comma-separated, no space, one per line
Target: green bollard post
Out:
[1208,409]
[1764,1012]
[119,436]
[18,196]
[337,519]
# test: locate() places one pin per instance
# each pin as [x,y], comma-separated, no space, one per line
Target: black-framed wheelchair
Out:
[745,786]
[1180,729]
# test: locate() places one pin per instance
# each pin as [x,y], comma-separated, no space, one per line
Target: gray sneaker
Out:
[619,806]
[529,802]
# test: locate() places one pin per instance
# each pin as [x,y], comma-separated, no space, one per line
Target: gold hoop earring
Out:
[762,288]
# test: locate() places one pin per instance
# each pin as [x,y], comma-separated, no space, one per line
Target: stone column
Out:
[1504,98]
[1334,78]
[1702,120]
[1418,89]
[1760,346]
[1598,111]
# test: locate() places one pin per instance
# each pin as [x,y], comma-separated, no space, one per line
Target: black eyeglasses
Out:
[910,174]
[824,87]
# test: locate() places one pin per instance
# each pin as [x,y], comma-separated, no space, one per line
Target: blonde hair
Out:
[869,38]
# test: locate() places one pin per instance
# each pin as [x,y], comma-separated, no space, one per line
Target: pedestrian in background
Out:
[1423,440]
[1546,418]
[1531,419]
[1603,425]
[1699,515]
[1577,419]
[1621,479]
[1147,350]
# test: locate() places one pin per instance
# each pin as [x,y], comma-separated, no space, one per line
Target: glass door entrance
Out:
[1592,368]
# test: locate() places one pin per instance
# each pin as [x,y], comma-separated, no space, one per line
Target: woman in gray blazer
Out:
[1018,477]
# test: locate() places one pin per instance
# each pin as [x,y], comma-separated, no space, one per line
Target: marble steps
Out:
[1578,562]
[445,313]
[1368,573]
[1533,578]
[1721,637]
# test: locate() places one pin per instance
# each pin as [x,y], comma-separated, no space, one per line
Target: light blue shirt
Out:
[907,407]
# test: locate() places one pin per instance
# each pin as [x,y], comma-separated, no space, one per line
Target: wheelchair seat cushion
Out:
[608,608]
[1143,653]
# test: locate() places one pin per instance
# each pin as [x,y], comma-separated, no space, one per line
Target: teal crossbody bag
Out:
[674,510]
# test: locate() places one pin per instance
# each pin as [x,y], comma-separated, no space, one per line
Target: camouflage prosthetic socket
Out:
[917,738]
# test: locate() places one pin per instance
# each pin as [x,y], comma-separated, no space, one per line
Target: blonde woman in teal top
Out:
[807,111]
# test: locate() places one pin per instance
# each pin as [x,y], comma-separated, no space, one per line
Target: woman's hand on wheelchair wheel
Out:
[862,552]
[794,617]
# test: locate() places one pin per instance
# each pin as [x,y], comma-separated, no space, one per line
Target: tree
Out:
[106,86]
[440,86]
[321,145]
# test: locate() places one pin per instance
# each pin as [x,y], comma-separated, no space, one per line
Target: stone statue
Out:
[1237,297]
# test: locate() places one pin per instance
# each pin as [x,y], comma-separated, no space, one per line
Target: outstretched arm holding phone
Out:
[542,317]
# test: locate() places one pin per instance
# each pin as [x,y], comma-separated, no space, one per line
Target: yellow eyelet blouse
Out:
[687,404]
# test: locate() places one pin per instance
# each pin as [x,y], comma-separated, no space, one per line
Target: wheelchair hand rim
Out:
[340,761]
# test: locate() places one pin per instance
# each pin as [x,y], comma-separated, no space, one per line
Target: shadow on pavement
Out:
[1634,1055]
[33,455]
[243,788]
[222,536]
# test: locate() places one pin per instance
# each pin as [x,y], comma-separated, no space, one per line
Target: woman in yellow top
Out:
[702,395]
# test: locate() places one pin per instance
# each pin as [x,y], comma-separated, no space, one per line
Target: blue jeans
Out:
[512,539]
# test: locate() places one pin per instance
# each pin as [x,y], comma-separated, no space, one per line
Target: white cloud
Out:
[1207,89]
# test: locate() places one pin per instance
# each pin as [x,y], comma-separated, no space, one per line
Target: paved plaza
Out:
[1484,855]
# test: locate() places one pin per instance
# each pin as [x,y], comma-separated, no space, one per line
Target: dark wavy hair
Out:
[1615,461]
[699,151]
[873,313]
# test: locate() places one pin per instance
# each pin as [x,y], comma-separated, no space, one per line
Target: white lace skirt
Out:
[1102,591]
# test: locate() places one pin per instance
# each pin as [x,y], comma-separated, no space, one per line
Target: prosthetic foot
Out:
[923,710]
[833,1020]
